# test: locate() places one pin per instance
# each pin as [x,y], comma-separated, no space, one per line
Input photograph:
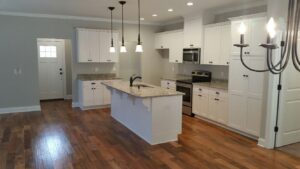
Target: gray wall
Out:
[18,49]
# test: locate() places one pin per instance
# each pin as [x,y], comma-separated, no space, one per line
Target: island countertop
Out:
[142,92]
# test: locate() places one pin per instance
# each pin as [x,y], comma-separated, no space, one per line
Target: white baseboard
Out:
[261,142]
[68,97]
[20,109]
[75,104]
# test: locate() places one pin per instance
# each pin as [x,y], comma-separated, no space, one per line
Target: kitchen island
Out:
[151,112]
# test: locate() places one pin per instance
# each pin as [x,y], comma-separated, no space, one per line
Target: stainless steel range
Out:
[186,87]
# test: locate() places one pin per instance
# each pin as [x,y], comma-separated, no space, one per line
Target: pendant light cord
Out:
[139,36]
[122,24]
[111,29]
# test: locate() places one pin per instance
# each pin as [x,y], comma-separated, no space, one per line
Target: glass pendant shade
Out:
[123,49]
[112,49]
[139,49]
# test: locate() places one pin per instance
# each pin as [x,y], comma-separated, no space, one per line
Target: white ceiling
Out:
[98,8]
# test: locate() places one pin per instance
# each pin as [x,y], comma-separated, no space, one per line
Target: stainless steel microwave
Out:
[192,55]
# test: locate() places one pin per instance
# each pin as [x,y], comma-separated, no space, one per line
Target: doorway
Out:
[51,67]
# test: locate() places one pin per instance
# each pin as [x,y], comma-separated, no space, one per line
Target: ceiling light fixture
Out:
[154,15]
[139,47]
[112,48]
[170,10]
[190,4]
[123,48]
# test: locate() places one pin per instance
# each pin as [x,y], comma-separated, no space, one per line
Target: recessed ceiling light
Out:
[190,4]
[170,10]
[142,19]
[154,15]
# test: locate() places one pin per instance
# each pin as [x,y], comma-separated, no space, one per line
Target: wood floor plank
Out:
[61,137]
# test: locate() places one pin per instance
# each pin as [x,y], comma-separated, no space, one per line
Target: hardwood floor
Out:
[64,138]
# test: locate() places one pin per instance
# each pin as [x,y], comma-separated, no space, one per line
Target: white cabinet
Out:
[210,103]
[93,46]
[193,33]
[168,84]
[217,40]
[255,35]
[93,93]
[88,45]
[173,41]
[246,90]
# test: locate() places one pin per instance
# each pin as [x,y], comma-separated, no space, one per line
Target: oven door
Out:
[187,90]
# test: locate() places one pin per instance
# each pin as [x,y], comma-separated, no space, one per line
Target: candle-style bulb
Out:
[271,26]
[242,28]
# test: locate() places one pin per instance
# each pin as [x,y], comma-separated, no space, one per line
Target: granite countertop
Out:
[143,92]
[90,77]
[176,77]
[217,84]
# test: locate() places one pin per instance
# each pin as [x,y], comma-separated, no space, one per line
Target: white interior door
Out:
[289,114]
[51,68]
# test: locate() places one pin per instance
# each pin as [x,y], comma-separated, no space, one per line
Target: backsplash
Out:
[218,72]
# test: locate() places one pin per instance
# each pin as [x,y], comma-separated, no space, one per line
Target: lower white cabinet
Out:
[168,84]
[210,103]
[93,93]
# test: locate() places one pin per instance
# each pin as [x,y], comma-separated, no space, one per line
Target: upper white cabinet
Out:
[173,41]
[193,30]
[255,35]
[217,44]
[93,46]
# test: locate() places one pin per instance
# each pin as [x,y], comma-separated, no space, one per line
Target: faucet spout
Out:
[133,78]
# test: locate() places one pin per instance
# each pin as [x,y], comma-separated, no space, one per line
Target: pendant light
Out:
[112,49]
[139,47]
[123,48]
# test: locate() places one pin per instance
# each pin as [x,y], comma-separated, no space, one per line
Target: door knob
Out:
[61,73]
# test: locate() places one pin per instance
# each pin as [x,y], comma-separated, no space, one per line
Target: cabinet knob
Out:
[246,75]
[210,62]
[227,63]
[191,45]
[90,60]
[218,93]
[176,61]
[200,95]
[200,89]
[217,99]
[93,83]
[161,46]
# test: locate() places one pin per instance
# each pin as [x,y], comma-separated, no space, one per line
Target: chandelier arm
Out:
[245,65]
[288,26]
[295,44]
[270,65]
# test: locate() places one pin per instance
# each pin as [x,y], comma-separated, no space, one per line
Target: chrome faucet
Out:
[133,78]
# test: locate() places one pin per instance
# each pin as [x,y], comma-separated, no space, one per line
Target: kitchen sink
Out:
[141,86]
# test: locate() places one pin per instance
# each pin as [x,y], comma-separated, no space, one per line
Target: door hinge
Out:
[279,87]
[276,129]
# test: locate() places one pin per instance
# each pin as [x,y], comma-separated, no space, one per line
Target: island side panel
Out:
[133,112]
[166,118]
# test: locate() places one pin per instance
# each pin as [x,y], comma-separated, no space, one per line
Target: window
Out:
[48,51]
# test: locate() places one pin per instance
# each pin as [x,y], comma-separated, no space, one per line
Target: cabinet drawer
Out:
[200,90]
[218,93]
[168,84]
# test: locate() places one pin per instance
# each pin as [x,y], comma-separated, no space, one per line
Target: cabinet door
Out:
[98,93]
[226,44]
[94,44]
[88,96]
[83,45]
[258,36]
[203,105]
[193,33]
[235,35]
[196,104]
[238,82]
[253,116]
[158,41]
[237,111]
[105,39]
[106,95]
[212,106]
[114,57]
[256,81]
[212,45]
[222,111]
[176,47]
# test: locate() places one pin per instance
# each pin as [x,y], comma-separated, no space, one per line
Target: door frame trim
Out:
[39,40]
